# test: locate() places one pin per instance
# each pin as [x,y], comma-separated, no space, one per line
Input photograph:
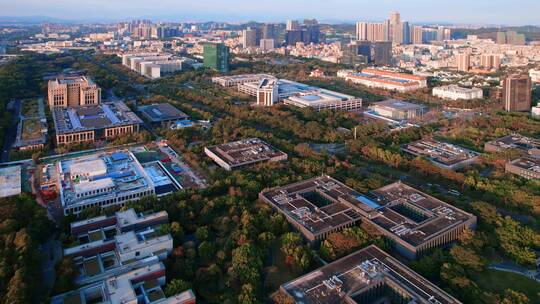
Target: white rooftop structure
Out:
[10,181]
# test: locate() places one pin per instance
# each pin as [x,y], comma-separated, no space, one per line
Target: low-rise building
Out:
[10,181]
[413,220]
[32,127]
[138,286]
[444,155]
[383,79]
[104,179]
[366,276]
[398,109]
[162,115]
[269,90]
[513,141]
[242,153]
[76,125]
[454,92]
[526,167]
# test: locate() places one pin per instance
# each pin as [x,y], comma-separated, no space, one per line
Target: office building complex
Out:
[118,259]
[73,92]
[92,123]
[250,37]
[526,167]
[162,115]
[369,275]
[269,90]
[516,93]
[413,220]
[32,127]
[360,52]
[216,56]
[106,179]
[444,155]
[398,109]
[454,92]
[385,79]
[514,141]
[243,153]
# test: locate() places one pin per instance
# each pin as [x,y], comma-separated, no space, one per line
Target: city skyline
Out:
[419,11]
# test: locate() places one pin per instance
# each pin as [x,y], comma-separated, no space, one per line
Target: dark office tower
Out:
[516,93]
[268,31]
[364,48]
[216,56]
[311,34]
[351,55]
[293,36]
[406,32]
[381,53]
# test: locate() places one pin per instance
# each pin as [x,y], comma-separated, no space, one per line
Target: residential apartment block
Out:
[454,92]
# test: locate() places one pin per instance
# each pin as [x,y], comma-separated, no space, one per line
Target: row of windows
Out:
[106,203]
[98,191]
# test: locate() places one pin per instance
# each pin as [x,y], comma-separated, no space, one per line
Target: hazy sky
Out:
[457,11]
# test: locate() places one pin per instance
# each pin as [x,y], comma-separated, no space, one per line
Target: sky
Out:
[504,12]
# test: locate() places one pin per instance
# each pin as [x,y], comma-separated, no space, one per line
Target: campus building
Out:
[244,152]
[444,155]
[369,275]
[382,79]
[105,179]
[454,92]
[73,92]
[76,125]
[398,109]
[32,127]
[517,93]
[513,141]
[162,115]
[155,65]
[526,167]
[270,90]
[413,220]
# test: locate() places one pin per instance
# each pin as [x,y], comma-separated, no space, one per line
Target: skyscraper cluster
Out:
[400,32]
[308,32]
[264,37]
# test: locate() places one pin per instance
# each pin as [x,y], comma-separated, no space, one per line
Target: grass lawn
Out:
[497,281]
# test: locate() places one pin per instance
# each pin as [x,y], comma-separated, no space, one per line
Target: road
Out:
[11,133]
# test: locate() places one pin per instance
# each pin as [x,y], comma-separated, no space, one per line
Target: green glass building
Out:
[216,56]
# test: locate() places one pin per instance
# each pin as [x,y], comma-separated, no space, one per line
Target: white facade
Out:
[454,92]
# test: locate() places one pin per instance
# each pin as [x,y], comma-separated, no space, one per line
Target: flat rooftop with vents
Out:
[526,167]
[90,123]
[10,181]
[414,220]
[367,276]
[163,114]
[244,152]
[514,141]
[444,155]
[102,180]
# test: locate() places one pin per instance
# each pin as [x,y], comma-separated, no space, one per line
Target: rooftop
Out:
[527,163]
[10,181]
[516,141]
[398,105]
[94,177]
[111,114]
[162,112]
[245,151]
[351,279]
[442,153]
